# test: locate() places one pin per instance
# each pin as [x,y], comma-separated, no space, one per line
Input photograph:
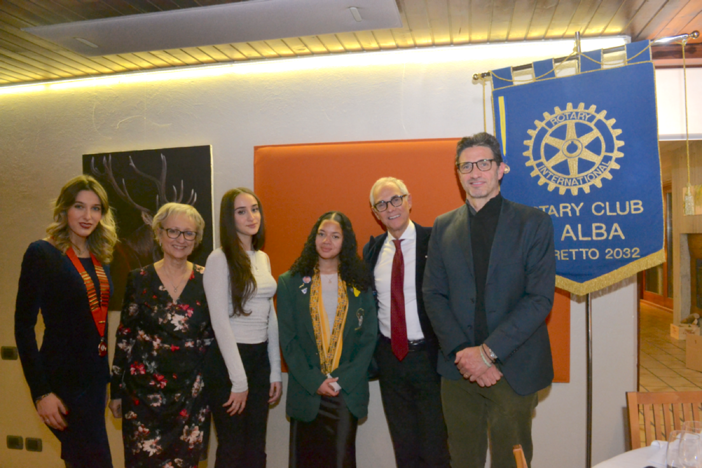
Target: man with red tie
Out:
[407,346]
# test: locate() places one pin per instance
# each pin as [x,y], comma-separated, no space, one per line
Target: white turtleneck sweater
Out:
[259,326]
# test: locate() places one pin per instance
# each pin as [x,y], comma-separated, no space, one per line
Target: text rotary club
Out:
[598,231]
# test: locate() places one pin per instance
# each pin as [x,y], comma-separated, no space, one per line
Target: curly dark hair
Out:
[351,268]
[242,283]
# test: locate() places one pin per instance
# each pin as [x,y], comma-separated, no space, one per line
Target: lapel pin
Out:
[359,316]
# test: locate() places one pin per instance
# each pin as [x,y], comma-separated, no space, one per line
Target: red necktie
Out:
[398,324]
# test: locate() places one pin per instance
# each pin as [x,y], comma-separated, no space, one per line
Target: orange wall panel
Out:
[298,183]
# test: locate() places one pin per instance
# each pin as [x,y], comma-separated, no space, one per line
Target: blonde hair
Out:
[101,242]
[176,209]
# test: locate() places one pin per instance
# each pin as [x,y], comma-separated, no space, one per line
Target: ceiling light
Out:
[86,42]
[468,54]
[356,14]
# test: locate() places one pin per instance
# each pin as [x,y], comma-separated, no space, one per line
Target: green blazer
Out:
[299,348]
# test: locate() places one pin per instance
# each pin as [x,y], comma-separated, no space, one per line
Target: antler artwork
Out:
[138,248]
[160,185]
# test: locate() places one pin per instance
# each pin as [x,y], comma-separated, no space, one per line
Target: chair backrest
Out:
[652,415]
[519,457]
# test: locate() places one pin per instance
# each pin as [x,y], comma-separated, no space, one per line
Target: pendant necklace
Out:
[176,287]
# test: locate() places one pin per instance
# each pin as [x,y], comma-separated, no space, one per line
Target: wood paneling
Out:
[426,23]
[459,28]
[521,19]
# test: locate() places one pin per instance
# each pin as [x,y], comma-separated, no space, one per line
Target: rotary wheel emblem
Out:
[573,149]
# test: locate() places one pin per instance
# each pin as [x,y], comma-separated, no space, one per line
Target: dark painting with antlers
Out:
[138,183]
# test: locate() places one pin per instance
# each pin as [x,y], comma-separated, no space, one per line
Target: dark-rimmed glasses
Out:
[394,201]
[467,167]
[175,233]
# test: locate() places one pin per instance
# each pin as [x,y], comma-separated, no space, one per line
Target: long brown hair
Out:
[101,242]
[242,284]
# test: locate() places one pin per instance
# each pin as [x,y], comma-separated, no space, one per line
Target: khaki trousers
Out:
[472,413]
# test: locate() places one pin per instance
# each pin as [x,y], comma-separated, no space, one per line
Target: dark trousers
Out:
[473,412]
[411,393]
[328,441]
[241,439]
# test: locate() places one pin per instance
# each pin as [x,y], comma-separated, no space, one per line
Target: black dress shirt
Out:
[482,225]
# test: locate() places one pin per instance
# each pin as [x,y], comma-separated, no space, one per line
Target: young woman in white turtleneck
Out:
[243,375]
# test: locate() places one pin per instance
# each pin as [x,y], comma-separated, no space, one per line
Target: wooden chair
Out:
[654,414]
[519,457]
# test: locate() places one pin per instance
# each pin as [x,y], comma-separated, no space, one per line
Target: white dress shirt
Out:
[383,273]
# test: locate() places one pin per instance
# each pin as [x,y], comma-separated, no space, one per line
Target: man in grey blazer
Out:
[488,288]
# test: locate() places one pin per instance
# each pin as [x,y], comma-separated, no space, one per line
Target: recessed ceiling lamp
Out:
[86,42]
[356,14]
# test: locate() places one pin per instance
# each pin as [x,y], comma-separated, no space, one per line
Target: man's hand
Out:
[470,364]
[488,378]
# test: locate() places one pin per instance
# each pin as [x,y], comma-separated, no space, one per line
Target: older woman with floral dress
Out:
[164,334]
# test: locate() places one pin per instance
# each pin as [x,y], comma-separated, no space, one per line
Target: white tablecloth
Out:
[653,455]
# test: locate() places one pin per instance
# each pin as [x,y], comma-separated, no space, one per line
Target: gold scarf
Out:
[329,347]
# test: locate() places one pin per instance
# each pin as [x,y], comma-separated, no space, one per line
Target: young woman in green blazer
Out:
[328,331]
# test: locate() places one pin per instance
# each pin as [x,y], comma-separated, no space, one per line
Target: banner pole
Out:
[577,43]
[588,320]
[663,40]
[588,324]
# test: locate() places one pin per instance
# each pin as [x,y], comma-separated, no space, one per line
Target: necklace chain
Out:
[176,287]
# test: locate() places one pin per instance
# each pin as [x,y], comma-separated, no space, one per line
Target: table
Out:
[653,455]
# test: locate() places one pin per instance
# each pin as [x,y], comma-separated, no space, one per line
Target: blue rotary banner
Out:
[584,149]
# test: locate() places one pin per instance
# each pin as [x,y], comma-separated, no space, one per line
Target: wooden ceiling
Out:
[26,58]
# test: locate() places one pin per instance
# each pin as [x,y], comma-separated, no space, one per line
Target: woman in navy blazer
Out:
[328,330]
[66,277]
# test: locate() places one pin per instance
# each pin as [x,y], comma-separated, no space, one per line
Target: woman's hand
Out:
[51,410]
[236,403]
[326,389]
[116,408]
[275,392]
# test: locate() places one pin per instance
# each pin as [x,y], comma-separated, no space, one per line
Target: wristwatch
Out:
[491,355]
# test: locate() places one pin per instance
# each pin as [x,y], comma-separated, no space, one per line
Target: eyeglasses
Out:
[467,167]
[394,201]
[175,233]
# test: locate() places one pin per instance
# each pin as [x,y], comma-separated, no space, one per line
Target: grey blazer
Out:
[519,292]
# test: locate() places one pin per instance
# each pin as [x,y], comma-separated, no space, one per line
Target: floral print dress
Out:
[157,371]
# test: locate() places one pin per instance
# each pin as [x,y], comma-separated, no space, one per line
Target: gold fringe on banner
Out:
[609,279]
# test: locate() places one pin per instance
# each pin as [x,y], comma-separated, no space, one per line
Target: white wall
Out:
[44,134]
